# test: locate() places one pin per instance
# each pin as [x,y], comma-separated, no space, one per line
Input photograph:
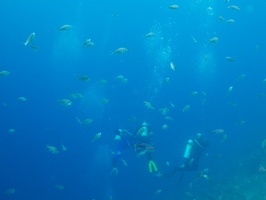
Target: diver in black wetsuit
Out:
[194,150]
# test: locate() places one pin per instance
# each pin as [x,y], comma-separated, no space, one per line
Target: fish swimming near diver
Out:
[145,146]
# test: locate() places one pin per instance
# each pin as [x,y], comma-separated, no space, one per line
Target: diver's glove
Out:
[114,171]
[152,166]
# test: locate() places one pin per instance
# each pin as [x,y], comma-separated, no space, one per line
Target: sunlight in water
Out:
[159,52]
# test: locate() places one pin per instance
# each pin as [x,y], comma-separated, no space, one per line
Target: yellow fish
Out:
[148,105]
[10,191]
[64,28]
[22,99]
[234,7]
[230,59]
[53,149]
[230,21]
[119,51]
[173,7]
[65,102]
[88,43]
[172,65]
[164,110]
[186,108]
[4,73]
[85,121]
[149,35]
[83,78]
[214,40]
[97,136]
[30,39]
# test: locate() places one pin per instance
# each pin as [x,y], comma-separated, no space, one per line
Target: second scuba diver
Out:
[139,141]
[143,147]
[193,151]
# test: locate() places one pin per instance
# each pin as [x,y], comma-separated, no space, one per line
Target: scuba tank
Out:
[188,149]
[143,131]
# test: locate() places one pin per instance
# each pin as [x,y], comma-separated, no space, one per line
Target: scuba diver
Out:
[193,151]
[139,142]
[143,147]
[124,140]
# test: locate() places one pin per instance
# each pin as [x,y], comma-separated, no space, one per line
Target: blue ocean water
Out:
[50,73]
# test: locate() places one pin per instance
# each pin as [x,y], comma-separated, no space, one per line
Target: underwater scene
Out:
[135,100]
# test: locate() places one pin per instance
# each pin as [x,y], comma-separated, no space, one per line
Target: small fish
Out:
[168,118]
[105,100]
[262,169]
[193,93]
[30,39]
[53,149]
[120,50]
[164,110]
[83,78]
[145,147]
[221,18]
[148,104]
[64,102]
[63,147]
[230,21]
[241,76]
[230,59]
[85,121]
[214,40]
[122,79]
[199,175]
[172,65]
[229,91]
[224,137]
[172,105]
[88,43]
[173,7]
[22,99]
[132,118]
[186,108]
[11,130]
[234,7]
[261,95]
[102,81]
[96,137]
[34,47]
[263,145]
[158,192]
[10,191]
[241,122]
[60,187]
[76,95]
[4,73]
[205,176]
[166,80]
[217,156]
[164,126]
[64,28]
[124,162]
[194,40]
[216,131]
[149,35]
